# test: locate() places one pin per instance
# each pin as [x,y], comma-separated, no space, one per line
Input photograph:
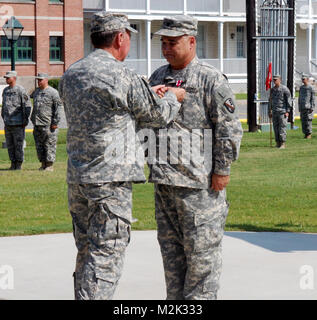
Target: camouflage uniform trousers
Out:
[307,117]
[101,236]
[45,142]
[14,139]
[190,230]
[280,126]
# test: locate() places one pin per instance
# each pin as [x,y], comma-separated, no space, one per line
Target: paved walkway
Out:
[255,266]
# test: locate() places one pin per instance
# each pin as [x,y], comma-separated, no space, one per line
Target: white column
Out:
[185,7]
[220,44]
[107,5]
[315,43]
[148,7]
[220,7]
[148,48]
[309,45]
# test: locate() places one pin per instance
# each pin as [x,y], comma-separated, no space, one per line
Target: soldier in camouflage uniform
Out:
[104,101]
[45,118]
[16,109]
[190,196]
[279,108]
[306,105]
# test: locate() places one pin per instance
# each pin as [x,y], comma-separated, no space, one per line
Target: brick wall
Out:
[57,19]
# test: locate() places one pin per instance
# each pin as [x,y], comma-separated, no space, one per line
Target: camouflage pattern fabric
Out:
[101,225]
[190,217]
[16,106]
[190,230]
[280,127]
[307,117]
[280,100]
[209,105]
[104,103]
[45,141]
[14,139]
[306,105]
[103,106]
[46,107]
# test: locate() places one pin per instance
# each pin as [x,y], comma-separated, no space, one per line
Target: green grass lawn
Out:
[270,190]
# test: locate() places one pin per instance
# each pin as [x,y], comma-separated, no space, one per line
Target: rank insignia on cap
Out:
[230,105]
[179,83]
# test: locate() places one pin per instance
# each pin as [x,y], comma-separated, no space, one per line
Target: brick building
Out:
[51,41]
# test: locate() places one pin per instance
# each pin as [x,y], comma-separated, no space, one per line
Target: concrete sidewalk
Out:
[255,266]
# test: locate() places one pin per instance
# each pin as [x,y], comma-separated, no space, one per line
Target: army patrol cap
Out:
[177,26]
[42,76]
[10,74]
[305,76]
[277,76]
[109,22]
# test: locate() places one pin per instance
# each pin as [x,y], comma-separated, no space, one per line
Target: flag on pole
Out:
[269,77]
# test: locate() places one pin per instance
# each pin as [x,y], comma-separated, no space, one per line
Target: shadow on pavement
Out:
[278,242]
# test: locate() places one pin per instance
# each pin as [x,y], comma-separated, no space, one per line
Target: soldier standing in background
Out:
[280,105]
[16,109]
[103,102]
[45,118]
[306,105]
[190,197]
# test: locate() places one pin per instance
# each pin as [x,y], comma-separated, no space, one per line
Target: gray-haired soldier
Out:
[190,196]
[45,118]
[15,111]
[279,108]
[306,105]
[104,101]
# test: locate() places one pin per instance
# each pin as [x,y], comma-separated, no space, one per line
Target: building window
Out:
[240,42]
[201,42]
[56,49]
[24,49]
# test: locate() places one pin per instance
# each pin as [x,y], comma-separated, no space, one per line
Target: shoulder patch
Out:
[229,104]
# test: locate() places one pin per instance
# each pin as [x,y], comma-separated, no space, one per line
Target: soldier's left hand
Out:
[160,90]
[286,115]
[218,183]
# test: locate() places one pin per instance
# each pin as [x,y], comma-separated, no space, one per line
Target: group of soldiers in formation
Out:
[103,102]
[16,111]
[280,105]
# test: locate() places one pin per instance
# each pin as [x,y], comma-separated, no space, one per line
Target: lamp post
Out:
[12,29]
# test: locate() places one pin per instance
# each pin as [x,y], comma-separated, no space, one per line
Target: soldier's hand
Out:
[286,115]
[160,90]
[218,182]
[179,92]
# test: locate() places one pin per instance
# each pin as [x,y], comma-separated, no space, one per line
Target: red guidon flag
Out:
[269,77]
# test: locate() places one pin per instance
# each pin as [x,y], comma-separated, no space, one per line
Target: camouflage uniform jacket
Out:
[46,107]
[306,98]
[208,113]
[16,106]
[280,100]
[103,102]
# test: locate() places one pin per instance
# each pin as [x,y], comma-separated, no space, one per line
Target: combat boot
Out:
[49,166]
[43,166]
[308,136]
[13,164]
[278,144]
[283,145]
[18,165]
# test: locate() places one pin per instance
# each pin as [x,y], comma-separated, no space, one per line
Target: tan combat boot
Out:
[283,145]
[308,136]
[49,167]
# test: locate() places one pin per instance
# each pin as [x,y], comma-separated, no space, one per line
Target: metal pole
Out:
[251,48]
[12,55]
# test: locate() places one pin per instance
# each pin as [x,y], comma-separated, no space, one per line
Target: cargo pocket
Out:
[210,227]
